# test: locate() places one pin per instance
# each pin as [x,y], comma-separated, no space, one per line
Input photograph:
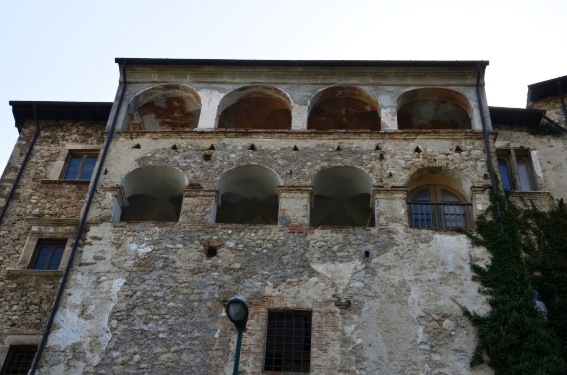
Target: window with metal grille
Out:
[48,254]
[80,167]
[288,342]
[18,360]
[435,207]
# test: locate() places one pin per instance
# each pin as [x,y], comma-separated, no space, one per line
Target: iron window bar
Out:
[449,216]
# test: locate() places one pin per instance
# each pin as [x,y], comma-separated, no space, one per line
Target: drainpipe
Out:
[22,166]
[79,232]
[487,149]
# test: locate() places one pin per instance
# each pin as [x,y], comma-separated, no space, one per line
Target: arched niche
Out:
[248,195]
[165,107]
[342,197]
[434,108]
[255,107]
[439,199]
[344,108]
[154,193]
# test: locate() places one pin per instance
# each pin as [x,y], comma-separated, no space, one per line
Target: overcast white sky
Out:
[61,50]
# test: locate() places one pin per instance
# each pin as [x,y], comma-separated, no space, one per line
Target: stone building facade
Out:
[330,194]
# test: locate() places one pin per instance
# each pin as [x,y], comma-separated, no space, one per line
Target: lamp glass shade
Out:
[236,311]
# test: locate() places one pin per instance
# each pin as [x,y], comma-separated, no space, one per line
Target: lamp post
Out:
[237,312]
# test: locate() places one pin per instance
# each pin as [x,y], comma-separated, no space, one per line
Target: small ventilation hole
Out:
[212,147]
[105,172]
[295,148]
[485,176]
[338,148]
[252,147]
[207,156]
[381,157]
[458,150]
[211,250]
[377,148]
[137,146]
[417,149]
[174,147]
[390,175]
[367,254]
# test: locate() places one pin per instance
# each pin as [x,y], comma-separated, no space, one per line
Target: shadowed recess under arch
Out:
[248,195]
[342,197]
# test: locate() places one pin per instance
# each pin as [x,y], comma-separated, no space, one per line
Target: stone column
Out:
[295,203]
[390,205]
[199,206]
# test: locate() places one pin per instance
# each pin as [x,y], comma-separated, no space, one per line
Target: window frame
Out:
[437,207]
[63,230]
[60,166]
[510,157]
[84,157]
[53,244]
[10,353]
[304,365]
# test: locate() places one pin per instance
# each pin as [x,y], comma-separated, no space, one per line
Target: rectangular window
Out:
[19,359]
[48,254]
[288,342]
[79,167]
[516,171]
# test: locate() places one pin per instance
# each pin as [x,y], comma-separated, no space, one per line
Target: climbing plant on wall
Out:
[514,337]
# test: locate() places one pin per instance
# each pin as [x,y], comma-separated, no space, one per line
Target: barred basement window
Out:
[288,342]
[48,254]
[79,167]
[19,359]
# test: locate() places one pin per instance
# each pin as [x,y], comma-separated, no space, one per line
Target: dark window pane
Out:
[73,167]
[88,167]
[48,255]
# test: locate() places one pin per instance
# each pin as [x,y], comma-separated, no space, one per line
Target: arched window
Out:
[438,207]
[255,107]
[248,195]
[434,108]
[344,108]
[342,197]
[153,193]
[167,107]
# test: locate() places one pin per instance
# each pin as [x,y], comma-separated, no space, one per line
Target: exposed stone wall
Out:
[552,106]
[26,296]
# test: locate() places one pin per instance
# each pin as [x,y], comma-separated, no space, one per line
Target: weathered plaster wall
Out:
[155,300]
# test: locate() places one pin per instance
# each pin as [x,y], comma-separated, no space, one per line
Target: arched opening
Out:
[342,196]
[434,108]
[344,108]
[255,107]
[437,200]
[248,195]
[167,107]
[154,193]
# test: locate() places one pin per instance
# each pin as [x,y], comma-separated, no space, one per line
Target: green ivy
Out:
[514,337]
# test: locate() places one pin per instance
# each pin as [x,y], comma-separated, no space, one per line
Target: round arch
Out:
[344,108]
[342,196]
[434,108]
[248,195]
[154,193]
[165,107]
[255,107]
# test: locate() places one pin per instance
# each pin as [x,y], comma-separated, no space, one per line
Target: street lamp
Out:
[237,311]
